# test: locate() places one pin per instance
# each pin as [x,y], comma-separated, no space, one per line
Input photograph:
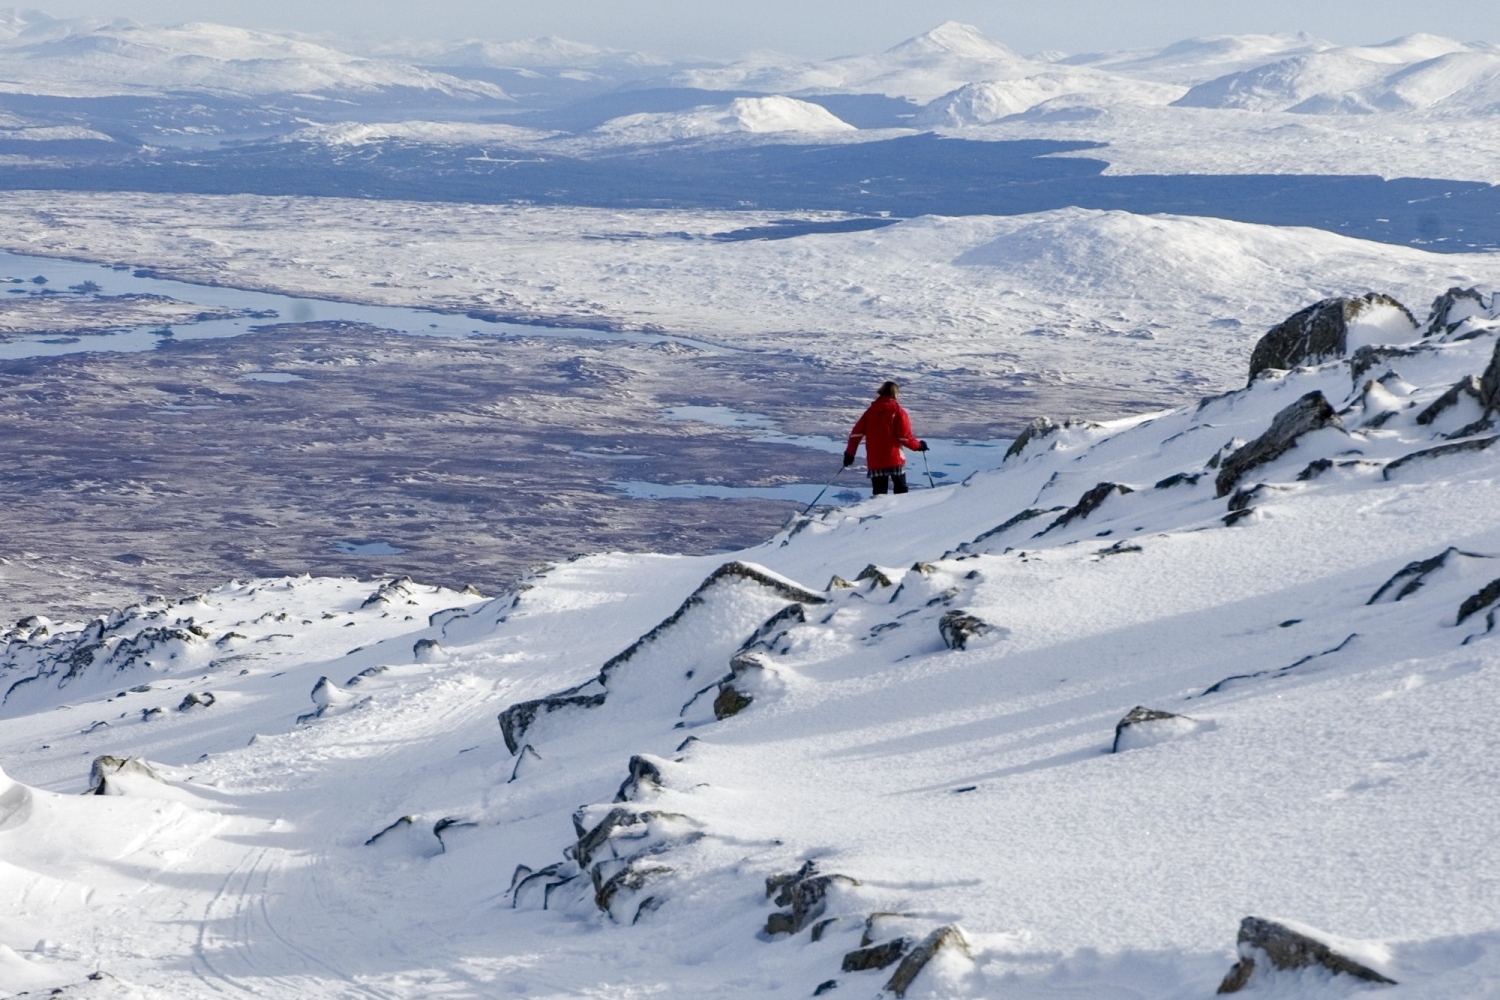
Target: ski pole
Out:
[823,490]
[930,484]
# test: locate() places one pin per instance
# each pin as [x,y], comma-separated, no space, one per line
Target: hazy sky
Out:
[821,28]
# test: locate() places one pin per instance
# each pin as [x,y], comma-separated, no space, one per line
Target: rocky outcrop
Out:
[1086,505]
[959,627]
[1478,601]
[1266,945]
[1315,334]
[645,776]
[1442,450]
[1451,308]
[1310,413]
[948,938]
[330,699]
[426,650]
[398,591]
[106,774]
[199,699]
[1039,428]
[805,895]
[518,718]
[1413,576]
[1469,386]
[875,956]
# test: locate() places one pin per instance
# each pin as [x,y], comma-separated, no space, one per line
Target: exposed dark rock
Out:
[518,718]
[1413,576]
[1310,413]
[528,753]
[448,823]
[1086,505]
[1477,602]
[730,702]
[201,699]
[876,956]
[1120,548]
[1026,515]
[1315,334]
[805,893]
[366,674]
[837,582]
[825,986]
[1314,469]
[958,627]
[1440,320]
[633,877]
[1231,681]
[1179,479]
[1039,428]
[1477,444]
[1469,386]
[942,939]
[1138,717]
[1373,356]
[645,775]
[875,575]
[403,823]
[106,768]
[1489,382]
[426,650]
[1287,950]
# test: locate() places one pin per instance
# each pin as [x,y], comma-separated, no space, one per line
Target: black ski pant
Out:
[878,484]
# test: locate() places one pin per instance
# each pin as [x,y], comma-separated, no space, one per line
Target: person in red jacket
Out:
[885,428]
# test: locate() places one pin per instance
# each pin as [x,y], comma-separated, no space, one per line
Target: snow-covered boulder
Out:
[1145,727]
[1268,946]
[115,775]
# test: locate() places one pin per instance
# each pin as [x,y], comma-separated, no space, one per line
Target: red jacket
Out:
[885,427]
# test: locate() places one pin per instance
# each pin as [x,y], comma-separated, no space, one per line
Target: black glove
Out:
[848,459]
[921,445]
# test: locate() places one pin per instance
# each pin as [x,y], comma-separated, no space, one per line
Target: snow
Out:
[1336,774]
[1025,298]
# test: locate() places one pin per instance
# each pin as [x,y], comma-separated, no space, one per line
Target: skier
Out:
[885,428]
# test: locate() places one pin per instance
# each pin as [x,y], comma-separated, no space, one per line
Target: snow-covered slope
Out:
[89,58]
[1406,74]
[874,751]
[982,103]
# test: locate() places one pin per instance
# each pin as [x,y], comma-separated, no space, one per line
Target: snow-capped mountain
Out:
[40,55]
[1062,730]
[1077,91]
[920,68]
[756,115]
[1409,74]
[1197,60]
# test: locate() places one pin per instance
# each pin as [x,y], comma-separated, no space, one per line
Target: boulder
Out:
[1268,945]
[1469,386]
[645,776]
[397,591]
[1039,428]
[875,956]
[1310,413]
[106,774]
[948,938]
[426,650]
[523,761]
[1453,307]
[1478,601]
[1143,727]
[201,699]
[958,627]
[1317,333]
[1442,450]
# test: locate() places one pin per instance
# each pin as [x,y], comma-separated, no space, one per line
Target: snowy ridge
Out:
[1418,72]
[875,750]
[91,58]
[743,114]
